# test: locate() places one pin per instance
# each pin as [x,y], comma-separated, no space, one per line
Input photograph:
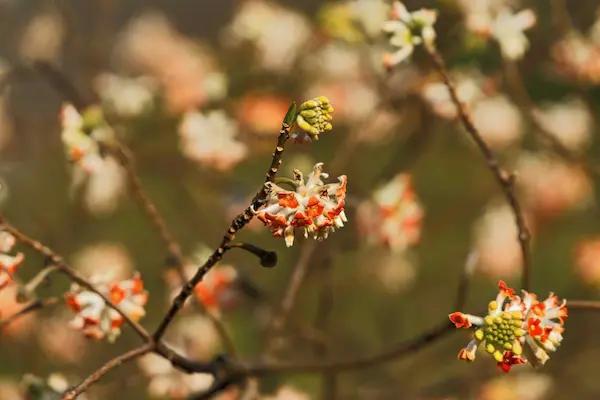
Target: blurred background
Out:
[197,91]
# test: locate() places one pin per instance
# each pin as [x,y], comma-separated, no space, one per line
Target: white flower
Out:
[407,30]
[127,96]
[508,29]
[570,122]
[95,318]
[313,206]
[8,263]
[105,185]
[496,242]
[498,120]
[277,32]
[515,327]
[209,139]
[393,218]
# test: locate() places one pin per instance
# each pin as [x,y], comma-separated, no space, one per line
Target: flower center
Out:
[501,333]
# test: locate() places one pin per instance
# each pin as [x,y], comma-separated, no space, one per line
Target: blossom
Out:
[168,382]
[262,113]
[495,233]
[43,37]
[215,290]
[522,386]
[540,175]
[407,30]
[8,263]
[570,122]
[277,33]
[394,216]
[312,205]
[287,393]
[587,260]
[515,327]
[111,259]
[344,20]
[577,57]
[103,186]
[61,343]
[315,117]
[498,120]
[127,96]
[502,24]
[209,139]
[94,317]
[22,327]
[190,78]
[79,135]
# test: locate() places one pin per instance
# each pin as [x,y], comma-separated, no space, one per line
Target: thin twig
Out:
[66,269]
[31,307]
[505,181]
[106,368]
[236,225]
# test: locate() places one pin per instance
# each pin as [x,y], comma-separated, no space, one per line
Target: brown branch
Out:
[584,305]
[526,104]
[29,308]
[505,181]
[106,368]
[66,269]
[236,225]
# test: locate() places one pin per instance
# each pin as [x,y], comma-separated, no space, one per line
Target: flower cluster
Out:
[8,263]
[407,30]
[312,205]
[394,216]
[315,116]
[95,318]
[515,326]
[80,135]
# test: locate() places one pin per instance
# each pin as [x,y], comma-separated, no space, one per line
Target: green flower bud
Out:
[315,116]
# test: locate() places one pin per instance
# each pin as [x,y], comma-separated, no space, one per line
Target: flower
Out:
[104,257]
[209,139]
[8,263]
[514,327]
[61,343]
[94,317]
[522,386]
[79,134]
[408,30]
[287,393]
[315,117]
[260,22]
[577,57]
[127,96]
[215,291]
[22,328]
[495,233]
[506,27]
[190,78]
[262,113]
[394,216]
[540,175]
[570,122]
[498,120]
[587,260]
[350,21]
[312,205]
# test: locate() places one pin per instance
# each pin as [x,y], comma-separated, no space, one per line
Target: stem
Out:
[505,181]
[106,368]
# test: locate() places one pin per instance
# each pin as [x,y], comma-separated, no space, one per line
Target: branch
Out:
[31,307]
[505,180]
[236,225]
[106,368]
[63,267]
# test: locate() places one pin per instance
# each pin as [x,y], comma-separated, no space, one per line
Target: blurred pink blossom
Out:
[393,217]
[262,113]
[569,121]
[587,260]
[187,71]
[209,139]
[110,259]
[278,33]
[60,342]
[518,386]
[498,120]
[541,176]
[22,327]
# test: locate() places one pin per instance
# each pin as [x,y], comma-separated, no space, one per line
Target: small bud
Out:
[315,116]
